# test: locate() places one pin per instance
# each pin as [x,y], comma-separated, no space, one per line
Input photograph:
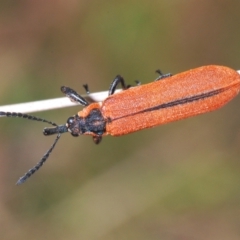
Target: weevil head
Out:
[74,125]
[93,124]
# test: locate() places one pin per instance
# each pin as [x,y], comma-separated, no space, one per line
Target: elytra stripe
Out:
[179,102]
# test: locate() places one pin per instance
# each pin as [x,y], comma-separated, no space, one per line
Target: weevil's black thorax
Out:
[93,124]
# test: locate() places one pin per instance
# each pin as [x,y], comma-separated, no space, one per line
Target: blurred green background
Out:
[176,181]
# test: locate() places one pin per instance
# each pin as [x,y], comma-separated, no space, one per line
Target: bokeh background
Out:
[173,182]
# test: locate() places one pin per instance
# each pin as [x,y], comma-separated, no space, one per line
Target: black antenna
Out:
[31,171]
[57,130]
[26,116]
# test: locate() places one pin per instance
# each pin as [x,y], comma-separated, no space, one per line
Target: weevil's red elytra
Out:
[181,96]
[168,99]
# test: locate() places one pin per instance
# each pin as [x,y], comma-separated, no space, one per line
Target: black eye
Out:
[70,121]
[72,126]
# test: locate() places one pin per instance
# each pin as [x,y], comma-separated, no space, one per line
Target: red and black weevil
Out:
[180,96]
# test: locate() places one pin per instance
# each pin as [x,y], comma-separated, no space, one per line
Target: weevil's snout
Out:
[55,130]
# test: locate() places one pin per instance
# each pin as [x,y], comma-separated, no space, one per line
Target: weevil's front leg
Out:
[74,96]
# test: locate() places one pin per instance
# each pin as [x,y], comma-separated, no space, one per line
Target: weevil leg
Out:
[161,75]
[74,96]
[117,80]
[97,139]
[85,86]
[138,83]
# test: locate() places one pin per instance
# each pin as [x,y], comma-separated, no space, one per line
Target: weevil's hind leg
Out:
[97,139]
[161,75]
[74,96]
[118,80]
